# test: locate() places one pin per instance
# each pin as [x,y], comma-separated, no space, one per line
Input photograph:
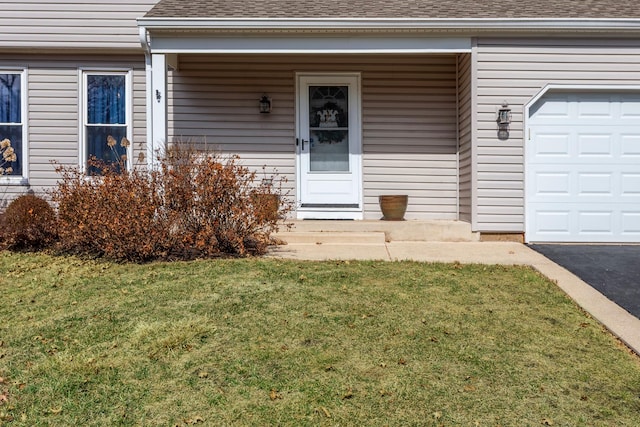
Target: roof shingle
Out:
[374,9]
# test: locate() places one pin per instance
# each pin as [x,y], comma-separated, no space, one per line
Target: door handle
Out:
[298,140]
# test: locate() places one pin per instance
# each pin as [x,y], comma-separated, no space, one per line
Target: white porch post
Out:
[158,107]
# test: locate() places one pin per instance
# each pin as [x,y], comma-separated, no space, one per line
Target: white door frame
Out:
[353,80]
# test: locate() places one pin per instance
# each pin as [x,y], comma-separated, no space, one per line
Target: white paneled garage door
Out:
[583,168]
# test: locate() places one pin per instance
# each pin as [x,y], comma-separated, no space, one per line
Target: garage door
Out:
[583,168]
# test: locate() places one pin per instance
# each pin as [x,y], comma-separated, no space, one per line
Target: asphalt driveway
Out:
[614,270]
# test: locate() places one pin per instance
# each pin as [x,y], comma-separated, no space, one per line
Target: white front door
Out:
[329,146]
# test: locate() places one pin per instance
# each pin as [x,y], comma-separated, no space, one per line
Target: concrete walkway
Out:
[620,322]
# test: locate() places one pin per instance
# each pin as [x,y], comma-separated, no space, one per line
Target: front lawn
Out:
[258,342]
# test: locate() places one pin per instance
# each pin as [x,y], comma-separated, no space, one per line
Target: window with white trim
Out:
[106,117]
[12,112]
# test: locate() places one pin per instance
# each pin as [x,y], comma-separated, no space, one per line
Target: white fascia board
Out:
[447,24]
[167,43]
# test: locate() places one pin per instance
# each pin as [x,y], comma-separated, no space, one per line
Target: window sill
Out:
[14,181]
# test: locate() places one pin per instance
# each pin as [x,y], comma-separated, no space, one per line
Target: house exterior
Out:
[517,118]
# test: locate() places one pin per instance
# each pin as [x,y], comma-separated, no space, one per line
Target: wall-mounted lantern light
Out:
[504,115]
[503,118]
[265,104]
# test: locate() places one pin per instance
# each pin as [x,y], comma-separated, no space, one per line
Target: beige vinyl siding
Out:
[86,24]
[464,135]
[408,119]
[213,103]
[515,71]
[409,136]
[53,110]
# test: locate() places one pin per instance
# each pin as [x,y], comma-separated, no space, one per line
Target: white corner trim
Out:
[144,41]
[26,151]
[473,63]
[458,137]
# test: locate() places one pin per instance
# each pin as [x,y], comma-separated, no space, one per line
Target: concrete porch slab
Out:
[335,237]
[411,230]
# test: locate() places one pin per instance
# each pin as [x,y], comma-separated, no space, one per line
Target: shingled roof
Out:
[394,9]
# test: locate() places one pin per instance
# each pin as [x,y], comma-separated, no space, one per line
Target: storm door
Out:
[329,146]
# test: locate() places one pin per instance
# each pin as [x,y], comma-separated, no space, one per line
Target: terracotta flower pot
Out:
[393,207]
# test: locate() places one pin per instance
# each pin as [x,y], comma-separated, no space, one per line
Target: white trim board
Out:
[307,44]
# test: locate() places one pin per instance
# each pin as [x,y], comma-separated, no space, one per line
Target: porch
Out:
[409,131]
[398,109]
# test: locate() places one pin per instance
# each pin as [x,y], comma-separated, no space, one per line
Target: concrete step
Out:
[330,237]
[408,231]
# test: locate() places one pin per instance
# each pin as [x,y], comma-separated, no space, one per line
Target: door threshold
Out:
[327,219]
[329,214]
[330,205]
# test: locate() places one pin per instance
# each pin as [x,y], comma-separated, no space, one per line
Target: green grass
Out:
[274,342]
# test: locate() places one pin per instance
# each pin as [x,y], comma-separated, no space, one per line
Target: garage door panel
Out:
[595,184]
[583,169]
[552,145]
[630,223]
[552,222]
[630,185]
[552,184]
[570,225]
[560,145]
[630,145]
[558,186]
[630,109]
[595,222]
[595,145]
[594,108]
